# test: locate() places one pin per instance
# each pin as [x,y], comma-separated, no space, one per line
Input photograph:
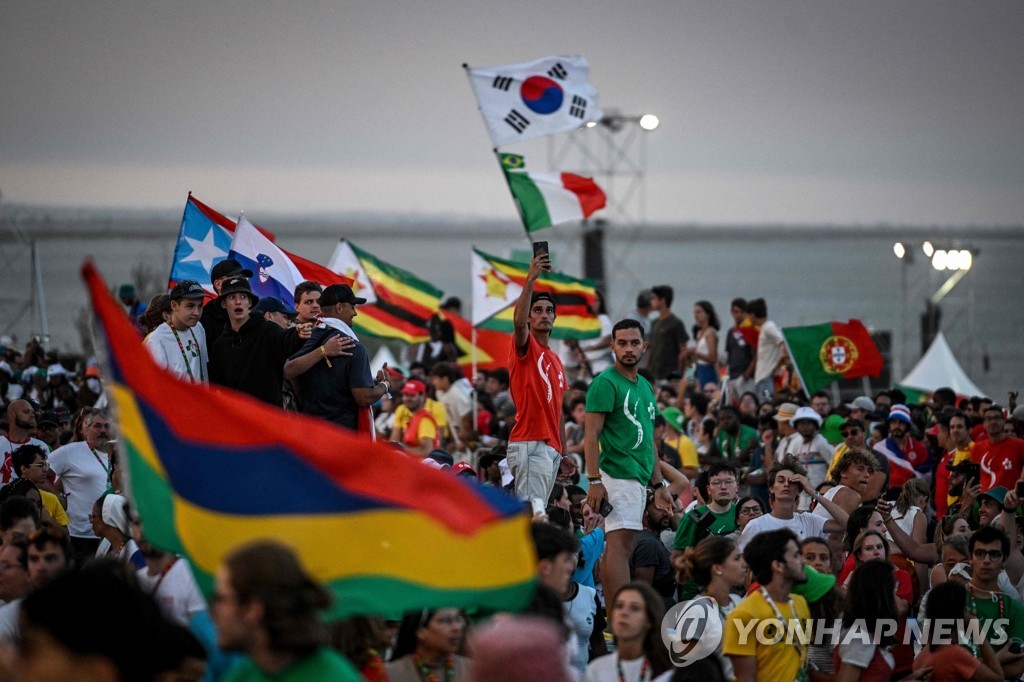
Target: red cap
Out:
[463,466]
[413,387]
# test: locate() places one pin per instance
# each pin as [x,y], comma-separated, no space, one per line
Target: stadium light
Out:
[899,250]
[649,122]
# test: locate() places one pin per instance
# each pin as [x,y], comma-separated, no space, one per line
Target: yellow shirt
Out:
[961,455]
[686,449]
[403,415]
[780,661]
[54,507]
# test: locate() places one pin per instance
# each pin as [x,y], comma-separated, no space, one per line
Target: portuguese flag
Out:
[547,199]
[822,353]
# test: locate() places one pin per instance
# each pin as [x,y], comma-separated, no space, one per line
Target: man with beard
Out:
[619,447]
[21,420]
[907,456]
[1000,456]
[83,470]
[735,440]
[776,563]
[650,561]
[954,438]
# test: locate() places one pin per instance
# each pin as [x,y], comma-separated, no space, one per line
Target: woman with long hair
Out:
[863,518]
[705,350]
[635,616]
[426,646]
[909,517]
[944,646]
[871,599]
[716,564]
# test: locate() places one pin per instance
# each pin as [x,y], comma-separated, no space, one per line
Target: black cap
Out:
[48,417]
[340,293]
[228,267]
[238,285]
[187,288]
[541,296]
[441,456]
[269,304]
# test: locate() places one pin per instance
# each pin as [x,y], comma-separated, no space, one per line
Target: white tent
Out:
[939,367]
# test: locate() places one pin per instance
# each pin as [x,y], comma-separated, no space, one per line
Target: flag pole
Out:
[177,242]
[796,366]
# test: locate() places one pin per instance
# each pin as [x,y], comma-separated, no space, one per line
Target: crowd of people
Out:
[663,468]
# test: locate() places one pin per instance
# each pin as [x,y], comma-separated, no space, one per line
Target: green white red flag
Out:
[547,199]
[822,353]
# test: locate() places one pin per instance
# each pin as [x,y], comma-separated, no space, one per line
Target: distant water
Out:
[807,275]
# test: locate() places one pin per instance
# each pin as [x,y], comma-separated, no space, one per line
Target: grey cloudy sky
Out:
[782,111]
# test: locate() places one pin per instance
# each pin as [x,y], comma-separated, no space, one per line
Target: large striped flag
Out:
[489,352]
[276,272]
[398,303]
[204,240]
[496,287]
[212,469]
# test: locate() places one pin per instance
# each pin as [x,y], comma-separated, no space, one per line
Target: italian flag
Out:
[547,199]
[822,353]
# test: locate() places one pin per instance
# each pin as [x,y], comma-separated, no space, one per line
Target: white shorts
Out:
[628,498]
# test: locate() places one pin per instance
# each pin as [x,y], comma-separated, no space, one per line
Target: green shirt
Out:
[627,439]
[987,610]
[730,446]
[686,537]
[323,664]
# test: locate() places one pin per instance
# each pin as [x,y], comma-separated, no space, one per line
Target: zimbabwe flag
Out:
[491,348]
[496,287]
[398,303]
[822,353]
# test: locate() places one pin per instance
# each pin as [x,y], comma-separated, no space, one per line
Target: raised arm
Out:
[521,329]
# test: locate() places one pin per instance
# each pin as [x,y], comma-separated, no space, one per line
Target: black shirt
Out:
[327,391]
[252,359]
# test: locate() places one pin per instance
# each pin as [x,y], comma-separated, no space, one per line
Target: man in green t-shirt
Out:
[988,548]
[735,440]
[619,448]
[717,517]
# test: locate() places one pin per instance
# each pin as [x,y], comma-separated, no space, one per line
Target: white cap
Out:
[806,413]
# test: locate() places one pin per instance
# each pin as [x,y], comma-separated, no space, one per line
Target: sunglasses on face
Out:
[850,432]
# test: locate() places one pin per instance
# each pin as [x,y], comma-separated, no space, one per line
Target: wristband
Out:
[323,352]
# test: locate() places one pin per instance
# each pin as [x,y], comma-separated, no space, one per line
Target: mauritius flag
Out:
[547,199]
[822,353]
[211,469]
[398,303]
[496,287]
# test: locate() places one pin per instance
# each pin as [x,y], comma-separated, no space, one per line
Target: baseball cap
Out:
[899,413]
[441,455]
[414,387]
[805,414]
[965,467]
[238,285]
[464,468]
[541,296]
[863,403]
[126,290]
[269,304]
[785,412]
[340,293]
[48,418]
[228,267]
[187,288]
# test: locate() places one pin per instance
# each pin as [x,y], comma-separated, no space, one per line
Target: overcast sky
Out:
[781,111]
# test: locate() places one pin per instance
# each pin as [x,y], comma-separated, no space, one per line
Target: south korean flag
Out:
[543,97]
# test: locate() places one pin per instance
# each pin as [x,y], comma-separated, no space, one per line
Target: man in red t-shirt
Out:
[1001,457]
[536,381]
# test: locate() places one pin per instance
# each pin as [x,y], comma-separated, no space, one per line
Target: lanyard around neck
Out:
[184,355]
